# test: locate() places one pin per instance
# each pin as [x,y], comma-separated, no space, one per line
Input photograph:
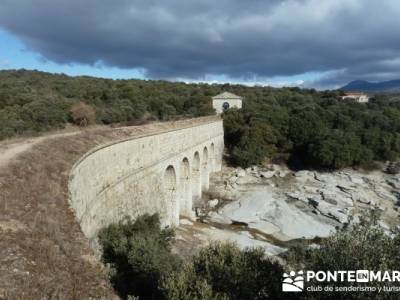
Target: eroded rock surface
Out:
[276,206]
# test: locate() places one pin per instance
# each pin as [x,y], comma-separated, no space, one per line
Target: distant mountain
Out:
[365,86]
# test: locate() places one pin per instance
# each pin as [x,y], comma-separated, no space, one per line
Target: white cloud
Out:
[231,38]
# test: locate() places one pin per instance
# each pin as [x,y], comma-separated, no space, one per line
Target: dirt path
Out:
[9,150]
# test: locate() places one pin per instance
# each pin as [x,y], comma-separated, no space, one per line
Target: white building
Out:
[226,101]
[358,97]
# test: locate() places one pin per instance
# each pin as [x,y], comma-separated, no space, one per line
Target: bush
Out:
[393,168]
[365,247]
[83,114]
[11,122]
[43,115]
[139,254]
[249,140]
[312,132]
[275,122]
[186,284]
[223,271]
[142,263]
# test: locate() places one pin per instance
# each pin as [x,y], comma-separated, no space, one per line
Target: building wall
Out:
[359,99]
[217,104]
[363,99]
[161,173]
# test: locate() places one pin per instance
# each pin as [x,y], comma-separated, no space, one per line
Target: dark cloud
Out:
[355,39]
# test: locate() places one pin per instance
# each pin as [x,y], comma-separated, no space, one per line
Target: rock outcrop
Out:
[305,204]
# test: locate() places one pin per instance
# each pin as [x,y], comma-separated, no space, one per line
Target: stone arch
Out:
[196,179]
[185,199]
[170,194]
[213,167]
[205,170]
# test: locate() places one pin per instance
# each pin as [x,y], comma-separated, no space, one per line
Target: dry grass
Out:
[43,253]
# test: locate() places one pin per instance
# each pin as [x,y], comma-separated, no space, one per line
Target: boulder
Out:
[200,213]
[213,203]
[267,174]
[283,173]
[232,180]
[247,180]
[240,173]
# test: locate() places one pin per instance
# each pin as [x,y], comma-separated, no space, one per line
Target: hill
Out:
[365,86]
[32,101]
[304,127]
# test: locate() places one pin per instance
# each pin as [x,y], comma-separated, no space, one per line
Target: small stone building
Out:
[226,101]
[355,96]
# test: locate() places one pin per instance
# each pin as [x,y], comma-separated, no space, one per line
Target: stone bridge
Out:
[163,173]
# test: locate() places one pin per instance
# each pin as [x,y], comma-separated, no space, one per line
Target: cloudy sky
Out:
[319,43]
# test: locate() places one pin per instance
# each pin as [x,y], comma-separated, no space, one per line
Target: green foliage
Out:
[312,129]
[223,271]
[32,101]
[11,122]
[36,116]
[336,150]
[248,139]
[142,265]
[186,284]
[139,254]
[304,127]
[365,247]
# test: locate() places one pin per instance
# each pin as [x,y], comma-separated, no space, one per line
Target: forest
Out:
[303,127]
[309,129]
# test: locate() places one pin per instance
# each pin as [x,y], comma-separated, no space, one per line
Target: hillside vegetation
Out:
[142,264]
[32,101]
[313,129]
[139,254]
[304,127]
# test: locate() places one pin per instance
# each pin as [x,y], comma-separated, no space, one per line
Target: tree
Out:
[364,247]
[186,284]
[285,124]
[43,115]
[139,254]
[337,150]
[223,271]
[234,124]
[83,114]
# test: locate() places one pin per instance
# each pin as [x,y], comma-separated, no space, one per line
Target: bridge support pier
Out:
[161,173]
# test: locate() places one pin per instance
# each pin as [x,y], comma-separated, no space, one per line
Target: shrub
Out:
[186,284]
[365,247]
[43,115]
[11,122]
[139,254]
[223,271]
[83,114]
[393,168]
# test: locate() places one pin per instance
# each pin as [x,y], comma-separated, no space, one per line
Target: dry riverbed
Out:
[275,208]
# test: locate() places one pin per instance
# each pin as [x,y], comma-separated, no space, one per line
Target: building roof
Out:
[226,95]
[354,94]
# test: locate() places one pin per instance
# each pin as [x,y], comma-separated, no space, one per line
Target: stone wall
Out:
[160,173]
[218,104]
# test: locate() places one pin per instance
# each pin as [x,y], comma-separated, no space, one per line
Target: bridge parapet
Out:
[160,173]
